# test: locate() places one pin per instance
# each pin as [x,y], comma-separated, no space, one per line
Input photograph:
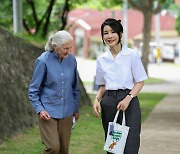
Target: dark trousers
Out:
[133,117]
[55,134]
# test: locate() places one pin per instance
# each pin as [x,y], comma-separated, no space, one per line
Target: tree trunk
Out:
[85,99]
[64,15]
[46,24]
[146,39]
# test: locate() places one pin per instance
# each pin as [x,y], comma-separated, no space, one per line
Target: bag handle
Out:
[123,120]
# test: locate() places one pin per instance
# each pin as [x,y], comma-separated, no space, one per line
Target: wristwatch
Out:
[131,95]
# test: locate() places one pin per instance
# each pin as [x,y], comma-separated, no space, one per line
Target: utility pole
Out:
[17,16]
[157,35]
[157,26]
[125,23]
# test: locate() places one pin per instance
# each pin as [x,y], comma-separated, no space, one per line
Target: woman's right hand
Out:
[97,108]
[98,99]
[44,115]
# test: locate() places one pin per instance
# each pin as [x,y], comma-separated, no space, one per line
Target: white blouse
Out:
[122,72]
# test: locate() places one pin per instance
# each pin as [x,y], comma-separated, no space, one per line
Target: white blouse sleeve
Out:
[138,70]
[99,73]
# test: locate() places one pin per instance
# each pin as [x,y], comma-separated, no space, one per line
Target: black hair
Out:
[115,25]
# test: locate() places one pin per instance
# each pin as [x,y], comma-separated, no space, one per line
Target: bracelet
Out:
[98,99]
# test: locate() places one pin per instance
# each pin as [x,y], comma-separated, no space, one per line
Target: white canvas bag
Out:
[116,136]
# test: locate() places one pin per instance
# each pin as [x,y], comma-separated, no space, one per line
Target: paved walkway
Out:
[161,131]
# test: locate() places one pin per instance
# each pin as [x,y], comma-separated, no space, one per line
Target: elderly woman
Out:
[54,92]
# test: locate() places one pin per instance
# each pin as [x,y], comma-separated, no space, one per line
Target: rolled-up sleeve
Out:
[34,87]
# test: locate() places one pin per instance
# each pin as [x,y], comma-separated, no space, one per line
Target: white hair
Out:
[58,39]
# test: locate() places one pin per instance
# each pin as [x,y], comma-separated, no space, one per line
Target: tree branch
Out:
[26,26]
[48,13]
[158,8]
[64,15]
[135,5]
[31,3]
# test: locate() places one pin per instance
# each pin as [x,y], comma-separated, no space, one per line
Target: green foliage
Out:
[100,4]
[33,39]
[40,7]
[6,13]
[176,8]
[167,3]
[177,26]
[77,3]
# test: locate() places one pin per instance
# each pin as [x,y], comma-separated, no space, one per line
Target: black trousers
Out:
[133,117]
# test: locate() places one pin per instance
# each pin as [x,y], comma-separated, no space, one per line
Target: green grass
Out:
[148,81]
[26,143]
[148,101]
[33,39]
[153,81]
[87,136]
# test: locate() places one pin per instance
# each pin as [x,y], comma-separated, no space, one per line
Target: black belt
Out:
[118,92]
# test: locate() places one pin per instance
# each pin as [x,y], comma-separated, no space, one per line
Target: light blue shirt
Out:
[54,86]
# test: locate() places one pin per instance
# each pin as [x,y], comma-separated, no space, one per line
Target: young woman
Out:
[54,92]
[120,75]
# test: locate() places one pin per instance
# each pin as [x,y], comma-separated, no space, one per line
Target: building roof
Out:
[95,18]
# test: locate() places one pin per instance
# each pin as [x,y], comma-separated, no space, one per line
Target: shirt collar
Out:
[123,52]
[55,54]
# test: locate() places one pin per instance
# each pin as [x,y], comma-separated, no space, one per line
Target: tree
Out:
[6,13]
[40,17]
[54,16]
[148,9]
[178,24]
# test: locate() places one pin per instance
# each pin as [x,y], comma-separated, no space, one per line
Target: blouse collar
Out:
[123,52]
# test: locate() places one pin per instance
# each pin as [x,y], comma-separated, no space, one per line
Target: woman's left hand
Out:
[76,115]
[123,105]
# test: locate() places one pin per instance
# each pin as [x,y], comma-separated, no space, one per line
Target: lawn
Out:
[87,135]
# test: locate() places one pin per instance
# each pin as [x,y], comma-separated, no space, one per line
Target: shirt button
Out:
[62,98]
[61,73]
[62,90]
[62,82]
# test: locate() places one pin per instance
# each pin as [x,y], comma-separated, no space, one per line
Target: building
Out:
[85,28]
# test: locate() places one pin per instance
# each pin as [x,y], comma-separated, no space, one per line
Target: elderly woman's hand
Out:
[76,115]
[44,115]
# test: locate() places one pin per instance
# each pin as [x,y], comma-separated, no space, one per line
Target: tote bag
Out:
[116,136]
